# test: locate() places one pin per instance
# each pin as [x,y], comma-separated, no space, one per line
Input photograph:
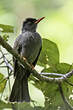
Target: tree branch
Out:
[27,65]
[41,76]
[6,61]
[67,105]
[52,74]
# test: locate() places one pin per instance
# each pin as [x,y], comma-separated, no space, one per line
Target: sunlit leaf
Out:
[49,54]
[63,67]
[6,28]
[51,94]
[2,82]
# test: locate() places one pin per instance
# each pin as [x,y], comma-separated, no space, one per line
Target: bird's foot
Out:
[32,66]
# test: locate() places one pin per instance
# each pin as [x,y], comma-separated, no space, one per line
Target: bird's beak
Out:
[39,20]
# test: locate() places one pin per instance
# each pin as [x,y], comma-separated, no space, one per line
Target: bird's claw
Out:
[32,66]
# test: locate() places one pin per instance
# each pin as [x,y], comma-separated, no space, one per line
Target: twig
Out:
[63,76]
[8,67]
[41,76]
[67,105]
[71,84]
[1,57]
[52,74]
[2,62]
[27,65]
[45,78]
[3,66]
[9,80]
[6,62]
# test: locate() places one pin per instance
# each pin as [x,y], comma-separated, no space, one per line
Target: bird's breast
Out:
[32,47]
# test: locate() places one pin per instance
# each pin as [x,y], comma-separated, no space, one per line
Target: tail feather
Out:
[20,91]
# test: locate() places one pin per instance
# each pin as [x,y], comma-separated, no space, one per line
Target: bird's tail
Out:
[20,92]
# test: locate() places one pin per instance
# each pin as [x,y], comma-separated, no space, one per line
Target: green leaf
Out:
[48,70]
[4,105]
[49,54]
[63,68]
[19,106]
[5,36]
[59,68]
[6,28]
[2,82]
[51,93]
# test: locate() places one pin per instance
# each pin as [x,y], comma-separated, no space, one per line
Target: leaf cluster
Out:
[50,61]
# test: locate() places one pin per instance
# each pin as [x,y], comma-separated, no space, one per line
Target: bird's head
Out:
[30,24]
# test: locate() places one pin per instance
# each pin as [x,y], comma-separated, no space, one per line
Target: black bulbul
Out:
[28,44]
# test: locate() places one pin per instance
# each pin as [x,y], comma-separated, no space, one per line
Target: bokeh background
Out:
[57,25]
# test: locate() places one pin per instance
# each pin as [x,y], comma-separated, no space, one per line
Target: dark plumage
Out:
[29,24]
[28,44]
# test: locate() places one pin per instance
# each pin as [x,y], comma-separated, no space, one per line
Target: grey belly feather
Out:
[31,44]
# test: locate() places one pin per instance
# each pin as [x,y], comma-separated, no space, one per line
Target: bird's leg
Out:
[32,66]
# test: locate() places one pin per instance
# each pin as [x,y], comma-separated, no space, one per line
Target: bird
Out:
[28,45]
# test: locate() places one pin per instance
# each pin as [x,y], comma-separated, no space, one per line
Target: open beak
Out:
[39,20]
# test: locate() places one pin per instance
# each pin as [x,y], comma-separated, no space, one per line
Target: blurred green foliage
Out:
[6,28]
[51,91]
[57,51]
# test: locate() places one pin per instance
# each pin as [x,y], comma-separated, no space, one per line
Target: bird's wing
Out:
[17,47]
[34,63]
[20,91]
[26,46]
